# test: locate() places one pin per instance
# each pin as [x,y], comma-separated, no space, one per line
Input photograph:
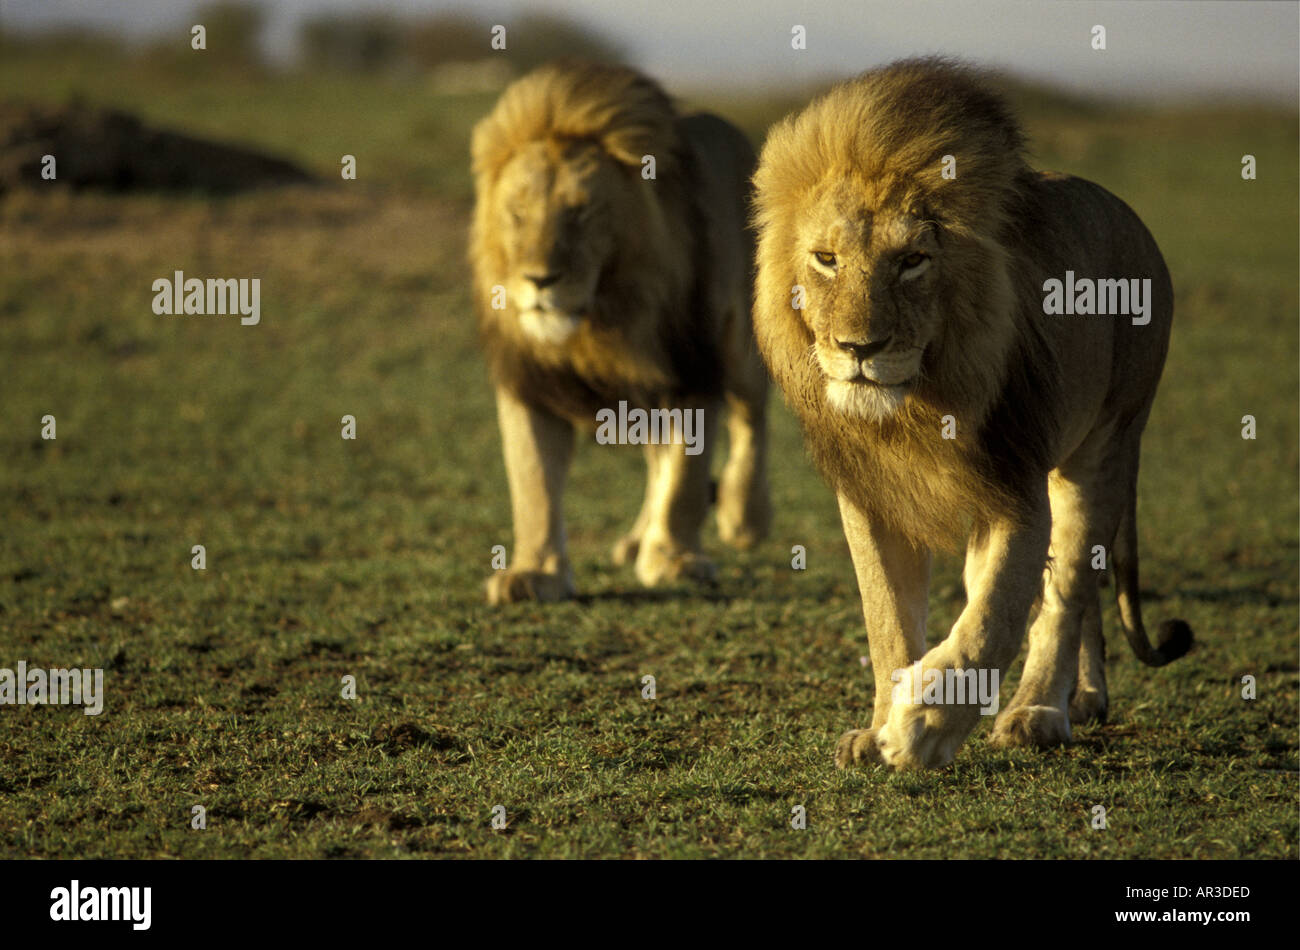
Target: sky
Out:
[1156,49]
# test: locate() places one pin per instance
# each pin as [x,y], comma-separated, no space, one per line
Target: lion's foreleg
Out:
[538,447]
[927,725]
[894,581]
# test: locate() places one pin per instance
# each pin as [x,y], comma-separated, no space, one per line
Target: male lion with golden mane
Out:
[612,264]
[941,401]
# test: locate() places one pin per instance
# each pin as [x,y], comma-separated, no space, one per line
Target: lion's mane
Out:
[650,336]
[990,367]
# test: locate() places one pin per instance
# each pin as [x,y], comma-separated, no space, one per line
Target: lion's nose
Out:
[863,349]
[543,281]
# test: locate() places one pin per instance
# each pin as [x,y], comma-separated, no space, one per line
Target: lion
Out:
[904,255]
[612,268]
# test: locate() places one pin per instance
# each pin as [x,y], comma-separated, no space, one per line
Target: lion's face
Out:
[870,271]
[557,209]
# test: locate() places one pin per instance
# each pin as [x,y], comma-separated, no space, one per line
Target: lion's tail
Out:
[1175,636]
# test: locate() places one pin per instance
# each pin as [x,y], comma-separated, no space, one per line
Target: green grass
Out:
[328,557]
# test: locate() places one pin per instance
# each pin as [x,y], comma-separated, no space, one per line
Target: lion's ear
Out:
[630,142]
[627,147]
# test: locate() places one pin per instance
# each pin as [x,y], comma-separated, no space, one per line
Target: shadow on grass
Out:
[1230,596]
[660,596]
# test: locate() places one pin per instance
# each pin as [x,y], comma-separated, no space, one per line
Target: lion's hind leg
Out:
[1090,701]
[677,503]
[626,548]
[744,508]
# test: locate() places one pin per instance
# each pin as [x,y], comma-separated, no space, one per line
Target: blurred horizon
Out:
[1197,49]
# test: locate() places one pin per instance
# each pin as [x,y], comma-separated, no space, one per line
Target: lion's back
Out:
[1073,228]
[722,166]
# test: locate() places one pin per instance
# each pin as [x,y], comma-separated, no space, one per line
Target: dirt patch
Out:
[395,739]
[115,151]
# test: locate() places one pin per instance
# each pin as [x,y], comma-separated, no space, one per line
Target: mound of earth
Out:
[112,150]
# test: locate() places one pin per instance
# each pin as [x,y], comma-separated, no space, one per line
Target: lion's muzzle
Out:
[548,326]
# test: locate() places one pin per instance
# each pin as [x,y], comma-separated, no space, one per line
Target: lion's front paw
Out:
[921,731]
[1032,726]
[507,587]
[654,566]
[921,737]
[857,746]
[1088,705]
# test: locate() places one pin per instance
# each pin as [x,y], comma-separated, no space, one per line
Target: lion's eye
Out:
[915,259]
[824,258]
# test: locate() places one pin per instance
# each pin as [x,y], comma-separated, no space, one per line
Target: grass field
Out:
[329,557]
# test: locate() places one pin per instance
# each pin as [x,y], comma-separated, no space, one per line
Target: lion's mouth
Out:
[901,386]
[868,398]
[549,326]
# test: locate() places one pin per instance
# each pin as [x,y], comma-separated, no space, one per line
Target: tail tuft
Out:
[1173,640]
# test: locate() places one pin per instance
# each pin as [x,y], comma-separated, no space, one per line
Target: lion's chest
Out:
[595,372]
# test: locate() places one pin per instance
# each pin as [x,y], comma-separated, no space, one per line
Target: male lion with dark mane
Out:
[942,401]
[612,267]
